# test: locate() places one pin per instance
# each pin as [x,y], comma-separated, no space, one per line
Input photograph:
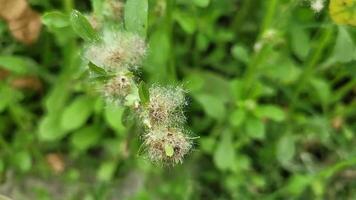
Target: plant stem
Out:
[309,69]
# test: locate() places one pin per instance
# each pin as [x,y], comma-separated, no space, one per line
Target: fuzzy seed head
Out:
[166,106]
[317,5]
[113,9]
[117,88]
[156,142]
[119,51]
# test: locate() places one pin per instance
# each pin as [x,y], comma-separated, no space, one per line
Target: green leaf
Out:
[127,118]
[271,112]
[168,149]
[207,144]
[19,64]
[322,89]
[282,69]
[212,105]
[113,116]
[224,155]
[157,59]
[85,137]
[77,113]
[201,3]
[136,16]
[55,19]
[22,160]
[144,93]
[106,171]
[237,117]
[300,42]
[49,128]
[240,53]
[98,71]
[285,149]
[186,21]
[82,27]
[255,128]
[344,48]
[298,183]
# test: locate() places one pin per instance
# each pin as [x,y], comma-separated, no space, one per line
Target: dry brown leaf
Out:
[3,73]
[56,162]
[23,22]
[27,82]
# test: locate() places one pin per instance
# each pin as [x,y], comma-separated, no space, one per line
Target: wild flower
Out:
[118,51]
[117,88]
[167,145]
[165,107]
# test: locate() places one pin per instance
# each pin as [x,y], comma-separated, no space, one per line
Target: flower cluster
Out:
[120,53]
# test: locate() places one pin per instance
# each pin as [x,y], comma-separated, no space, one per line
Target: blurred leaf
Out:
[186,21]
[207,144]
[271,112]
[57,97]
[128,117]
[144,93]
[285,149]
[281,68]
[255,128]
[136,16]
[344,50]
[193,82]
[55,19]
[113,116]
[201,3]
[224,156]
[212,105]
[237,117]
[49,128]
[77,113]
[18,64]
[22,160]
[322,89]
[300,41]
[85,137]
[82,27]
[240,53]
[297,184]
[106,170]
[156,65]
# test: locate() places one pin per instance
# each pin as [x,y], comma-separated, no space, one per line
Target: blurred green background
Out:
[271,90]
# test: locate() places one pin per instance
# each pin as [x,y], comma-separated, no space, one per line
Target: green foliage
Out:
[82,27]
[136,16]
[272,107]
[143,93]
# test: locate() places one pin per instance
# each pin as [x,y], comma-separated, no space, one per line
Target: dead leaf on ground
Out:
[24,23]
[56,162]
[27,82]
